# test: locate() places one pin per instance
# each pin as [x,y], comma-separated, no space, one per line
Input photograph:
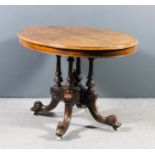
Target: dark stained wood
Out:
[74,93]
[90,83]
[91,97]
[78,41]
[79,87]
[63,126]
[68,99]
[58,78]
[70,81]
[56,92]
[78,71]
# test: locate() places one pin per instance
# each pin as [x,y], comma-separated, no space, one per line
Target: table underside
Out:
[80,53]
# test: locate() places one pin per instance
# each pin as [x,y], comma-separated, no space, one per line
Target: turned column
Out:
[78,75]
[70,79]
[68,99]
[80,89]
[58,78]
[90,82]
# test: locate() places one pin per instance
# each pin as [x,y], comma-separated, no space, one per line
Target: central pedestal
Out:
[74,93]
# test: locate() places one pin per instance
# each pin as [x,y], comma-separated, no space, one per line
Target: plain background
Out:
[25,73]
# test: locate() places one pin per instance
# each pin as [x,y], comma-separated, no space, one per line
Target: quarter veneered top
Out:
[77,38]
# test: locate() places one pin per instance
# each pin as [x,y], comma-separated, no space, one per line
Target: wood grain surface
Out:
[77,41]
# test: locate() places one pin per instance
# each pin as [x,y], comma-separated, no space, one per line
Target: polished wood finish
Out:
[80,53]
[78,41]
[91,97]
[74,93]
[68,99]
[56,92]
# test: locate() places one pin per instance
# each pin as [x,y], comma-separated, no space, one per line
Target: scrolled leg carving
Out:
[112,120]
[109,120]
[56,93]
[63,126]
[91,97]
[37,107]
[74,93]
[40,108]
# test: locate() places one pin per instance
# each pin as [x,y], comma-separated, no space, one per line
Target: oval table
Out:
[76,43]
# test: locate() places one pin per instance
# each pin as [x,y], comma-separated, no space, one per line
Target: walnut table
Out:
[76,43]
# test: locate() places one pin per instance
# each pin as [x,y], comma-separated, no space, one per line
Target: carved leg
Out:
[68,99]
[56,92]
[91,97]
[63,126]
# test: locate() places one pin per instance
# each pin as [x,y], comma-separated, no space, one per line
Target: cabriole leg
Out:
[91,97]
[68,99]
[56,92]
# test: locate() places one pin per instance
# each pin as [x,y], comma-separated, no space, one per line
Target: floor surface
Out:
[19,128]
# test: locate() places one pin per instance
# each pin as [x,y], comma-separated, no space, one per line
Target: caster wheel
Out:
[58,138]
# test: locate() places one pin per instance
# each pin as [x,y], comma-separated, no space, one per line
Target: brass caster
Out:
[58,138]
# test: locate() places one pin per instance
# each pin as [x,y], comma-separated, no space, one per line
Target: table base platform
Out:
[74,93]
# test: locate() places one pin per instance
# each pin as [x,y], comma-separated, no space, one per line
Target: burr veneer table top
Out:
[78,41]
[73,41]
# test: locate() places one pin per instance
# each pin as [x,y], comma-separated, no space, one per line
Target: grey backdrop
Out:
[25,73]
